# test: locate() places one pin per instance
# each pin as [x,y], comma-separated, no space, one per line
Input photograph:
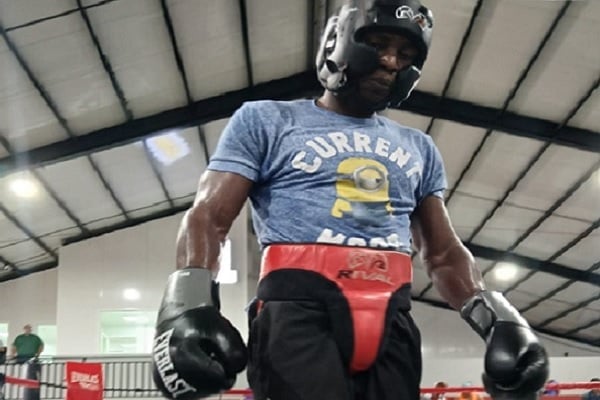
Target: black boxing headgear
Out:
[343,56]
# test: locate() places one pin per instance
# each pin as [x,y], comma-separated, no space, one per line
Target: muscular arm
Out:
[203,229]
[449,263]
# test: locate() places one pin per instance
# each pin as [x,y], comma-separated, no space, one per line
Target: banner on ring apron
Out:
[84,381]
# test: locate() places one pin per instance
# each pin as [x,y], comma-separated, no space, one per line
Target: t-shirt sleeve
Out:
[242,144]
[434,175]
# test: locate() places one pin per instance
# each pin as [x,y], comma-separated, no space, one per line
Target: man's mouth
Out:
[380,84]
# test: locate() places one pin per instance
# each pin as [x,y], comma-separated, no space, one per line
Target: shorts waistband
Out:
[354,266]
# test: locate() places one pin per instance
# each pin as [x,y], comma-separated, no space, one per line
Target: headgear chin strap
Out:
[343,56]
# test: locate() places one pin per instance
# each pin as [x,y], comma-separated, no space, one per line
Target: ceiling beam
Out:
[299,85]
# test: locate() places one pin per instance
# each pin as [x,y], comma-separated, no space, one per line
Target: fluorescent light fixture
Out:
[226,275]
[506,271]
[168,148]
[131,294]
[23,187]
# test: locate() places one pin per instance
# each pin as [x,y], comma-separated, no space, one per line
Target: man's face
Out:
[396,53]
[27,329]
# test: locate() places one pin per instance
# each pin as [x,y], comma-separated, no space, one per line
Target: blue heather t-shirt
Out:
[322,177]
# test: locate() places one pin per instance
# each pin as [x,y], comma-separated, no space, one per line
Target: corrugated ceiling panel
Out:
[180,201]
[128,171]
[577,292]
[28,253]
[507,224]
[573,319]
[595,305]
[557,170]
[591,333]
[11,235]
[278,38]
[415,121]
[584,254]
[585,202]
[134,37]
[456,142]
[210,40]
[567,68]
[213,132]
[61,55]
[498,165]
[506,36]
[541,283]
[20,12]
[546,310]
[25,120]
[451,22]
[40,213]
[90,200]
[519,298]
[550,237]
[588,116]
[466,213]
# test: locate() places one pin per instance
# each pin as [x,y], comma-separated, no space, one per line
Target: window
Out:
[4,333]
[127,331]
[48,335]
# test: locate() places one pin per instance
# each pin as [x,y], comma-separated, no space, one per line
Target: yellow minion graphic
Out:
[362,191]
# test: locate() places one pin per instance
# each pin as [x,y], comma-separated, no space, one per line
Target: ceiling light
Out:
[506,271]
[23,187]
[168,148]
[131,294]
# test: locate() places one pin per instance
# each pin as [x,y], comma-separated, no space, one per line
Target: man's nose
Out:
[389,60]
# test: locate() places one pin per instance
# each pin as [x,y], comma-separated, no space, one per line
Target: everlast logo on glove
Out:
[162,359]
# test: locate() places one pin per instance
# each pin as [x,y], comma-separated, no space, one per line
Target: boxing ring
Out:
[23,388]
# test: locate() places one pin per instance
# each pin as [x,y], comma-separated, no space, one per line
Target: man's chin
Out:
[374,101]
[368,101]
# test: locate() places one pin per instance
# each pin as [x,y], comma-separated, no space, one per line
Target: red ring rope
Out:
[33,384]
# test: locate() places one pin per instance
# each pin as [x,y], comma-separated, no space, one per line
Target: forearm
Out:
[454,274]
[199,240]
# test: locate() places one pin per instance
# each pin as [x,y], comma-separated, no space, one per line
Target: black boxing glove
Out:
[516,363]
[197,352]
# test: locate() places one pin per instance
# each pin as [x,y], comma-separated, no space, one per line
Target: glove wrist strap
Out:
[486,308]
[187,289]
